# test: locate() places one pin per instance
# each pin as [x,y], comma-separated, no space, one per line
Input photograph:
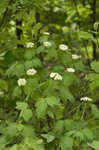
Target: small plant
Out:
[48,79]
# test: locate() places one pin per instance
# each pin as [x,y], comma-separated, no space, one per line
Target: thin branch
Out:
[75,4]
[37,21]
[5,14]
[93,5]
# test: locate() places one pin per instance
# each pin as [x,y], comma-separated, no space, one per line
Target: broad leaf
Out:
[41,107]
[66,143]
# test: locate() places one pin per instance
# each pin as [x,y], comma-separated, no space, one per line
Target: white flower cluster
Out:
[74,56]
[21,82]
[63,47]
[56,76]
[47,44]
[29,44]
[46,33]
[86,99]
[70,70]
[31,72]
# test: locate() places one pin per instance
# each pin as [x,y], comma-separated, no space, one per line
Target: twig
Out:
[5,14]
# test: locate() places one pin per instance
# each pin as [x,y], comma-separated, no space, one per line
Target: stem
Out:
[84,109]
[74,109]
[38,36]
[37,21]
[18,30]
[75,4]
[86,50]
[5,14]
[93,5]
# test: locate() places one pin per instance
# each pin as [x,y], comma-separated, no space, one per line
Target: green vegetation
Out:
[49,75]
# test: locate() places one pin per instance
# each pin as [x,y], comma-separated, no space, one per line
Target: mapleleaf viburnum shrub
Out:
[49,78]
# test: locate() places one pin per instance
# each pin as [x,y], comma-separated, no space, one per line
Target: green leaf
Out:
[11,130]
[36,28]
[51,54]
[94,144]
[17,92]
[69,124]
[3,85]
[79,66]
[35,144]
[94,84]
[30,87]
[52,101]
[48,137]
[93,78]
[79,135]
[40,49]
[16,69]
[36,62]
[66,59]
[69,96]
[41,107]
[50,113]
[88,133]
[33,63]
[14,147]
[95,66]
[26,114]
[29,54]
[68,79]
[3,142]
[59,126]
[85,35]
[28,131]
[96,24]
[66,143]
[11,69]
[95,111]
[21,105]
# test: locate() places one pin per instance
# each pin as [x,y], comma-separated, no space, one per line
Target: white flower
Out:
[46,33]
[56,76]
[21,82]
[13,29]
[47,44]
[86,99]
[70,70]
[63,47]
[1,93]
[29,44]
[52,75]
[74,56]
[12,22]
[31,72]
[56,9]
